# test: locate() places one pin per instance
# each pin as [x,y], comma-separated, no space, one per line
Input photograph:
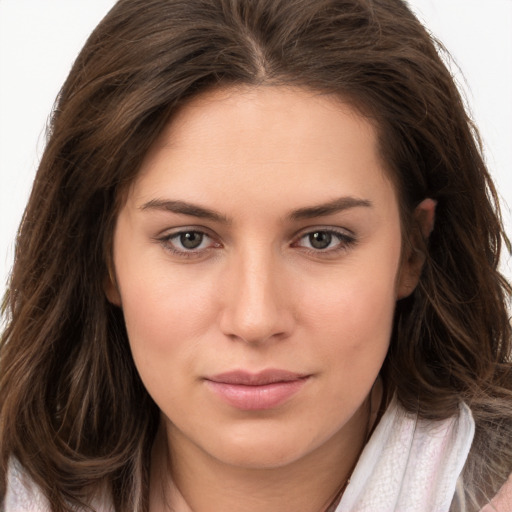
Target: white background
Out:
[39,39]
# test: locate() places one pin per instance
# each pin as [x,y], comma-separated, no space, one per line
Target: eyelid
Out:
[172,231]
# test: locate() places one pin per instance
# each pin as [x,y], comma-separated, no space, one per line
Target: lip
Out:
[256,391]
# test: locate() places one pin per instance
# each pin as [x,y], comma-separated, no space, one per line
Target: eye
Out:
[188,243]
[325,240]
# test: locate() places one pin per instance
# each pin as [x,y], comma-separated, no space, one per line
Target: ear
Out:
[111,289]
[415,253]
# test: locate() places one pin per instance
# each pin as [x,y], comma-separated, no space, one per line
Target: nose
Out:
[257,303]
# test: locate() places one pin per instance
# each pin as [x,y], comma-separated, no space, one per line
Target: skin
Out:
[502,502]
[256,293]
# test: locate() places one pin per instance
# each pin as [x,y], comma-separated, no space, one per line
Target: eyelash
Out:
[345,242]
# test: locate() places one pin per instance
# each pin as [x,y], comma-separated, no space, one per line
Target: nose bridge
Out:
[255,309]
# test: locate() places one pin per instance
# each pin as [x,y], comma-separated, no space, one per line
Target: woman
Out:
[258,271]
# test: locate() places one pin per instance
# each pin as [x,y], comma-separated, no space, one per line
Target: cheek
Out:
[351,316]
[165,313]
[166,322]
[357,304]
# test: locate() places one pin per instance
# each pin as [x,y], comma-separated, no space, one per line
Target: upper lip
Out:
[242,377]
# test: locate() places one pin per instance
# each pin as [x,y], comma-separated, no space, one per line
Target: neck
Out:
[197,482]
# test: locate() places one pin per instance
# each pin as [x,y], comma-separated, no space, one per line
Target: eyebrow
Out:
[330,208]
[184,208]
[310,212]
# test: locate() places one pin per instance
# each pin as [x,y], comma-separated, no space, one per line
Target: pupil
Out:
[191,240]
[320,240]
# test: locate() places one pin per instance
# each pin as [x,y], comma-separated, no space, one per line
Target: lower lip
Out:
[254,398]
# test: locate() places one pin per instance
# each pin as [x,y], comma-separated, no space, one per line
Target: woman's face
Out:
[258,262]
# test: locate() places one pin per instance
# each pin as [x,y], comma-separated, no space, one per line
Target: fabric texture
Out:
[22,494]
[408,465]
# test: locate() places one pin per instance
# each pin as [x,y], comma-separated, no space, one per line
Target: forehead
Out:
[279,140]
[263,110]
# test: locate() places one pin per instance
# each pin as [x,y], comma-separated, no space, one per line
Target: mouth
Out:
[256,391]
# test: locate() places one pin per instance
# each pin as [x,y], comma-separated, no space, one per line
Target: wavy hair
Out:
[73,409]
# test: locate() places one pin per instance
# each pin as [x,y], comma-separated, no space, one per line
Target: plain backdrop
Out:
[39,41]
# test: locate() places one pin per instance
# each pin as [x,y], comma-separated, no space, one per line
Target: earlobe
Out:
[415,254]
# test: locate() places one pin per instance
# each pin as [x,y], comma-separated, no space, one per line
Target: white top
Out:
[408,465]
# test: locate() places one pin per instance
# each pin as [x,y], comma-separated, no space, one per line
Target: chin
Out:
[258,457]
[263,448]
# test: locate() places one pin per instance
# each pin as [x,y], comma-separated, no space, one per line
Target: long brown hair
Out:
[73,409]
